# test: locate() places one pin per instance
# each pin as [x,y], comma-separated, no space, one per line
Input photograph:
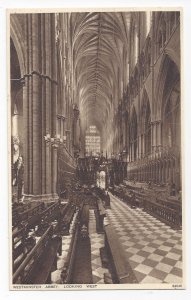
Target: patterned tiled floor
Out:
[97,242]
[153,249]
[55,276]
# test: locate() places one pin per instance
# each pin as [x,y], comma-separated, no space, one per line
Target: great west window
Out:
[92,141]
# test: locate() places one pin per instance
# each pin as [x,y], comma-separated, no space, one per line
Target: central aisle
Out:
[153,249]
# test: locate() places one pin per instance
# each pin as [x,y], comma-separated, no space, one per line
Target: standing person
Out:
[132,199]
[173,190]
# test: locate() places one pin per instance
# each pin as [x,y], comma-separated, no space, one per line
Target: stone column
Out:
[75,122]
[29,108]
[43,122]
[140,146]
[68,139]
[39,107]
[143,144]
[53,71]
[132,152]
[54,170]
[58,126]
[158,132]
[48,170]
[153,136]
[61,127]
[26,135]
[48,101]
[36,109]
[43,100]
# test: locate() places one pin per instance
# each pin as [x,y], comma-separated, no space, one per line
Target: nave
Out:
[95,105]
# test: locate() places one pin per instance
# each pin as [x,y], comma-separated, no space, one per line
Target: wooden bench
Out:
[138,198]
[81,217]
[47,263]
[51,213]
[21,245]
[121,270]
[26,216]
[167,215]
[40,261]
[171,202]
[166,208]
[67,271]
[67,217]
[84,222]
[16,211]
[118,191]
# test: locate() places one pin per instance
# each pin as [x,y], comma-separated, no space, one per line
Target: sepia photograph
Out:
[95,149]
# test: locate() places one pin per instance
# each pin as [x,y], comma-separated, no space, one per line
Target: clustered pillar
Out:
[40,109]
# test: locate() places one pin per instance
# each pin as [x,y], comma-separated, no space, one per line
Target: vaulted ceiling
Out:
[99,45]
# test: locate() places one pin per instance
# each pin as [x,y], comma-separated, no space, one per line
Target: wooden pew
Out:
[170,202]
[19,208]
[82,218]
[121,270]
[67,270]
[27,215]
[51,213]
[170,216]
[84,222]
[38,264]
[67,216]
[48,215]
[39,215]
[22,243]
[159,204]
[134,198]
[15,212]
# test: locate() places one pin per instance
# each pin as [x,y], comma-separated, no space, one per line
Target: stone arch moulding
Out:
[145,97]
[134,107]
[171,103]
[174,56]
[145,124]
[160,82]
[18,41]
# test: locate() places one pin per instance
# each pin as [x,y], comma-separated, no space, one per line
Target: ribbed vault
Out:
[99,44]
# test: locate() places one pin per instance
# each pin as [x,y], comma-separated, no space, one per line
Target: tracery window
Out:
[92,141]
